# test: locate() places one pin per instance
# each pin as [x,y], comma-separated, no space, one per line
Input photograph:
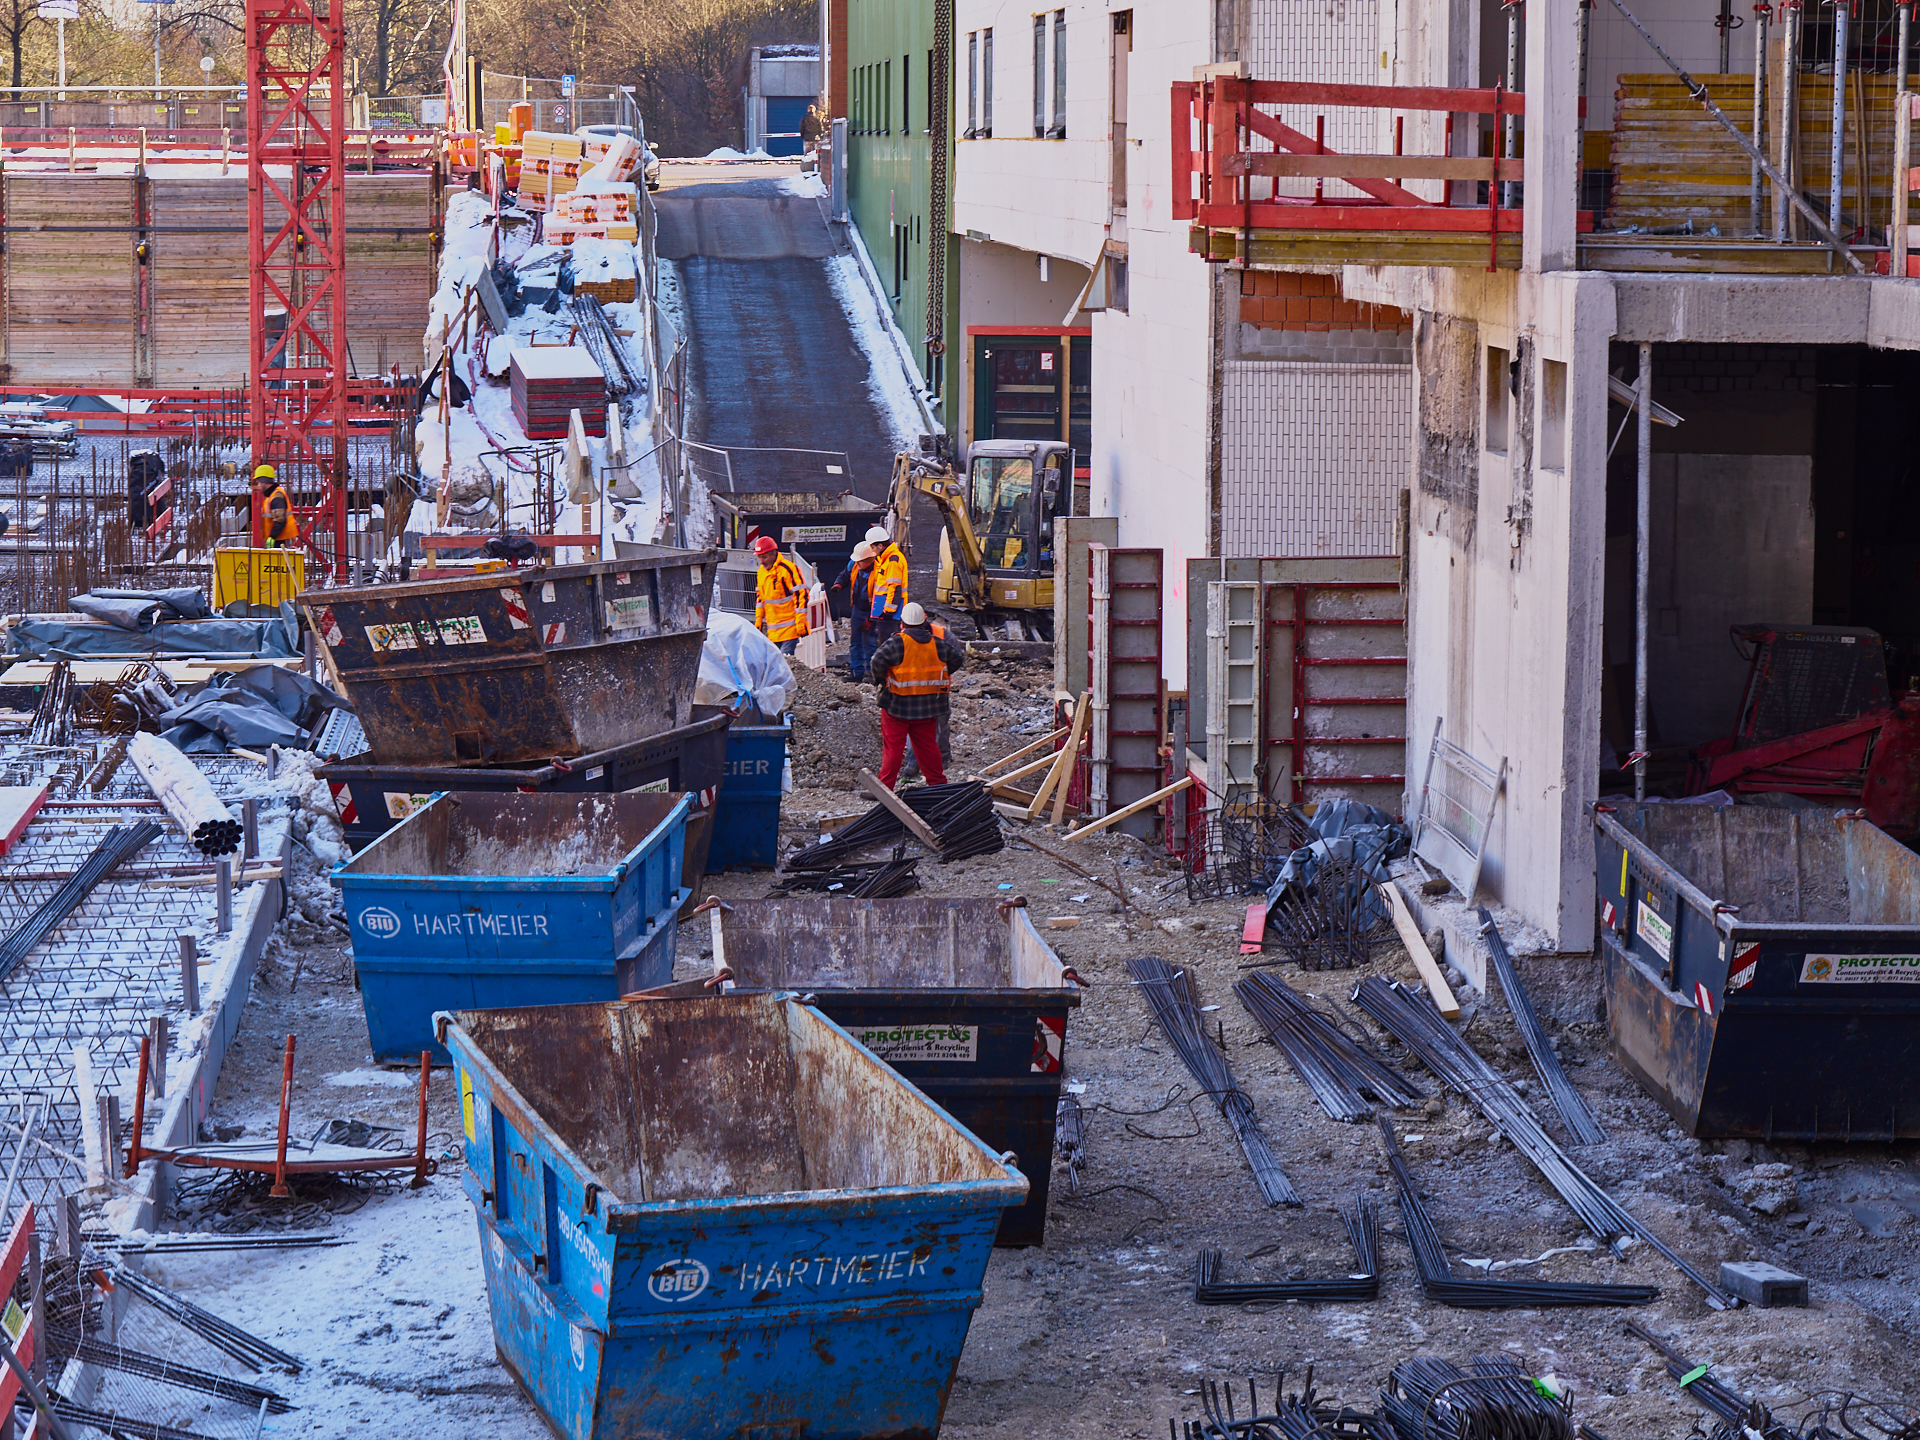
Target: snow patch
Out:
[376,1079]
[891,387]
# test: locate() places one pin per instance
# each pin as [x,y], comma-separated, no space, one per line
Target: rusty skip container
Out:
[1763,968]
[517,666]
[719,1217]
[962,997]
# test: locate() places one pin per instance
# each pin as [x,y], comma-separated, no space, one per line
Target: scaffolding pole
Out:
[1643,537]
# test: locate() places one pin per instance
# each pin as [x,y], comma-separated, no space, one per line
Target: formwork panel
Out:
[71,286]
[389,269]
[199,281]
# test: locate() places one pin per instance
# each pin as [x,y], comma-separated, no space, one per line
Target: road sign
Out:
[566,87]
[560,115]
[59,10]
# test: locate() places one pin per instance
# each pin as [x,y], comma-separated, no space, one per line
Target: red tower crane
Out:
[297,261]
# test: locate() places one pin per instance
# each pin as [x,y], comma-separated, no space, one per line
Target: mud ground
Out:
[1097,1334]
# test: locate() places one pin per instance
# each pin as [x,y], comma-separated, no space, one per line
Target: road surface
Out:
[775,364]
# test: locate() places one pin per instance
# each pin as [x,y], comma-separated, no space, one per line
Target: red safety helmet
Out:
[765,545]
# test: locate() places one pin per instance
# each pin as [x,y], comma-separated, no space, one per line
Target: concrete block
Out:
[1761,1284]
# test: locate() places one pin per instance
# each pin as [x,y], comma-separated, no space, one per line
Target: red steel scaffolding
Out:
[296,230]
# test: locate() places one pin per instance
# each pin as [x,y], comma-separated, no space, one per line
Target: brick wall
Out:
[1272,300]
[837,58]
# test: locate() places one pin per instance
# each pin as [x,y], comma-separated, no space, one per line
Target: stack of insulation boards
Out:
[550,166]
[550,382]
[606,213]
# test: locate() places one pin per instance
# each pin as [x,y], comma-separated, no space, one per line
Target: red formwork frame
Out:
[1296,653]
[296,159]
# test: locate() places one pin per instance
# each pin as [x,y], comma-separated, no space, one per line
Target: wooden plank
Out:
[900,810]
[18,805]
[1142,803]
[1417,948]
[988,769]
[1005,782]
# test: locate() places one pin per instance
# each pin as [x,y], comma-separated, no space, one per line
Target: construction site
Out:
[1240,760]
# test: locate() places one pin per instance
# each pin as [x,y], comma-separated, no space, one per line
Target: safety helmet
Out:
[863,551]
[265,472]
[913,614]
[878,536]
[765,545]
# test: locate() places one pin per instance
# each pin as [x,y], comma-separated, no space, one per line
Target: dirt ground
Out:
[1097,1333]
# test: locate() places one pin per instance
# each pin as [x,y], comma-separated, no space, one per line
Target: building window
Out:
[1116,282]
[906,94]
[1499,403]
[1039,75]
[1553,415]
[973,83]
[986,82]
[1059,128]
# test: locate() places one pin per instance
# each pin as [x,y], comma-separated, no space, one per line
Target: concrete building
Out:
[782,81]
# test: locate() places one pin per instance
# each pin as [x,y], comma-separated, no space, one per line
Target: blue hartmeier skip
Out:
[544,877]
[719,1216]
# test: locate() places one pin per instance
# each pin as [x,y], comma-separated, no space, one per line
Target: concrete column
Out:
[1551,74]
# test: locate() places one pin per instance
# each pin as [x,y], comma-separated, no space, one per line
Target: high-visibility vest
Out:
[780,601]
[889,582]
[276,517]
[921,671]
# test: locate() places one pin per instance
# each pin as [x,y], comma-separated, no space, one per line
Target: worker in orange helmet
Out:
[276,510]
[779,596]
[914,669]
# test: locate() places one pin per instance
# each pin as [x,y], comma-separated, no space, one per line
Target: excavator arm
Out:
[915,474]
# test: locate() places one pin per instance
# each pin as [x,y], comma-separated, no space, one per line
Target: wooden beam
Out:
[1135,808]
[1064,758]
[901,811]
[1050,758]
[1417,948]
[1023,750]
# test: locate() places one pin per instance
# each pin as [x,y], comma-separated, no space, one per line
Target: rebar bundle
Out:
[1492,1399]
[108,1356]
[1413,1020]
[1363,1233]
[960,815]
[873,880]
[1170,996]
[1437,1280]
[1834,1415]
[1334,923]
[251,1351]
[603,343]
[52,711]
[1579,1120]
[1335,1067]
[1299,1416]
[1245,846]
[120,843]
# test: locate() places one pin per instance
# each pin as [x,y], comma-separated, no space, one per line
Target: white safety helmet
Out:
[878,536]
[863,551]
[912,614]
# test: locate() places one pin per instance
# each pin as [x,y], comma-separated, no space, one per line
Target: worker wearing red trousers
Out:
[914,672]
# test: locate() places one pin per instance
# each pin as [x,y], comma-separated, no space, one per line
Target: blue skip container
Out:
[746,821]
[719,1217]
[480,900]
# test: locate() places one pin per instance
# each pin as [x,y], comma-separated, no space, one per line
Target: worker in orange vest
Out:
[779,596]
[914,670]
[889,583]
[276,510]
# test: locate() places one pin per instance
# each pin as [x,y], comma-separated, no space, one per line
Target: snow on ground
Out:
[393,1327]
[890,384]
[727,152]
[804,187]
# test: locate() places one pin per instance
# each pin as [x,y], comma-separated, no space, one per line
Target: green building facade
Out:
[899,174]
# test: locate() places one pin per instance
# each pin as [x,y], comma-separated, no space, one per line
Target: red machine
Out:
[1817,720]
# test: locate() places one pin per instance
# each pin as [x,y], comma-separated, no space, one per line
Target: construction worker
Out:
[889,584]
[857,581]
[914,670]
[779,597]
[276,510]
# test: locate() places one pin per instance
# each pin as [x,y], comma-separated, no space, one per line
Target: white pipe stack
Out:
[187,795]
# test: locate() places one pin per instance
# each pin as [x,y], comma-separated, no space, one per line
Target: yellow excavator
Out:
[996,546]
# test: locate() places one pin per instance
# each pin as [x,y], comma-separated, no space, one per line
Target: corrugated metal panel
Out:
[1313,457]
[1334,42]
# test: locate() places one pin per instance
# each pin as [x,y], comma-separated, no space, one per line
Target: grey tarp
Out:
[140,609]
[1357,836]
[49,637]
[258,707]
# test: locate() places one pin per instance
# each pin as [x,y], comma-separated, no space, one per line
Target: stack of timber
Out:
[1674,165]
[550,382]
